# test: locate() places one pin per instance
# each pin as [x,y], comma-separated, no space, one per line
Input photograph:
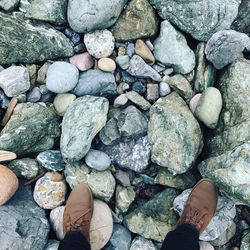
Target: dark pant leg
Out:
[74,240]
[184,237]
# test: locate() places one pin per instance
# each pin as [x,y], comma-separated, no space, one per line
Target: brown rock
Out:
[106,64]
[7,156]
[82,61]
[152,92]
[8,184]
[144,52]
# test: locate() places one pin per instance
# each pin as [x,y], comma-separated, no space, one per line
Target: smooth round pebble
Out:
[100,43]
[164,89]
[121,100]
[97,159]
[62,102]
[62,77]
[82,61]
[50,191]
[205,246]
[56,221]
[194,101]
[8,184]
[123,61]
[106,64]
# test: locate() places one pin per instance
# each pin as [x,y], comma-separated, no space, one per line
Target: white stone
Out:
[164,89]
[56,221]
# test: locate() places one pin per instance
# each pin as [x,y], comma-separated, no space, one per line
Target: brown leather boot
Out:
[78,210]
[201,205]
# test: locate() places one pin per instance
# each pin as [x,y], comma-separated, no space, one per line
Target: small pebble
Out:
[158,68]
[74,37]
[41,74]
[119,101]
[144,52]
[82,61]
[121,51]
[152,92]
[34,95]
[106,64]
[164,89]
[130,49]
[150,45]
[123,61]
[97,160]
[139,87]
[194,101]
[166,78]
[80,48]
[123,178]
[62,102]
[43,89]
[168,71]
[122,87]
[4,100]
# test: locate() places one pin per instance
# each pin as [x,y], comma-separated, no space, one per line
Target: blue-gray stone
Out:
[97,159]
[4,100]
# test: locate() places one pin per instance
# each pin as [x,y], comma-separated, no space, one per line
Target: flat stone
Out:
[138,100]
[24,168]
[133,154]
[24,224]
[152,220]
[106,64]
[97,160]
[95,82]
[62,102]
[222,219]
[49,44]
[95,15]
[142,50]
[82,61]
[121,100]
[225,46]
[50,191]
[187,16]
[14,80]
[75,143]
[51,160]
[141,243]
[31,128]
[171,49]
[62,77]
[102,183]
[173,128]
[139,68]
[144,21]
[100,43]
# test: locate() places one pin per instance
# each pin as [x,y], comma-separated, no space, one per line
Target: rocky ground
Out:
[139,99]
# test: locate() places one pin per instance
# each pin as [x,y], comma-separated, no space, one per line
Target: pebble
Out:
[130,49]
[62,102]
[123,61]
[152,92]
[138,100]
[82,61]
[56,221]
[100,43]
[41,74]
[4,100]
[121,51]
[150,45]
[123,178]
[14,80]
[50,191]
[139,87]
[164,89]
[119,101]
[80,48]
[34,95]
[159,68]
[43,89]
[144,52]
[74,37]
[32,69]
[140,243]
[62,77]
[97,160]
[51,160]
[122,87]
[7,155]
[138,68]
[205,246]
[106,64]
[194,102]
[168,71]
[8,183]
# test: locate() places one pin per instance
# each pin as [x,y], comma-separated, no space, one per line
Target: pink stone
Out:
[82,61]
[194,101]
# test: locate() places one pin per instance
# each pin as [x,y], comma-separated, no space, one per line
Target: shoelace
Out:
[195,218]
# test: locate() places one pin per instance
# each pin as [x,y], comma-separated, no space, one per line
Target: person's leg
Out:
[74,240]
[184,237]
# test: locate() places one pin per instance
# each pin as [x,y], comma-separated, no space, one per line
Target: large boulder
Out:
[84,118]
[32,128]
[25,41]
[85,16]
[201,18]
[23,224]
[174,134]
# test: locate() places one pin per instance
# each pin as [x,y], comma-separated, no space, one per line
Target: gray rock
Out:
[200,18]
[124,198]
[78,132]
[52,245]
[62,102]
[230,171]
[209,107]
[173,128]
[122,177]
[152,220]
[51,160]
[9,5]
[97,160]
[139,68]
[62,77]
[123,61]
[245,242]
[95,15]
[31,128]
[119,101]
[120,239]
[23,224]
[141,243]
[14,80]
[171,49]
[233,127]
[48,44]
[24,168]
[132,123]
[53,11]
[132,155]
[225,46]
[131,45]
[205,72]
[4,100]
[102,183]
[34,95]
[222,219]
[164,89]
[138,100]
[95,82]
